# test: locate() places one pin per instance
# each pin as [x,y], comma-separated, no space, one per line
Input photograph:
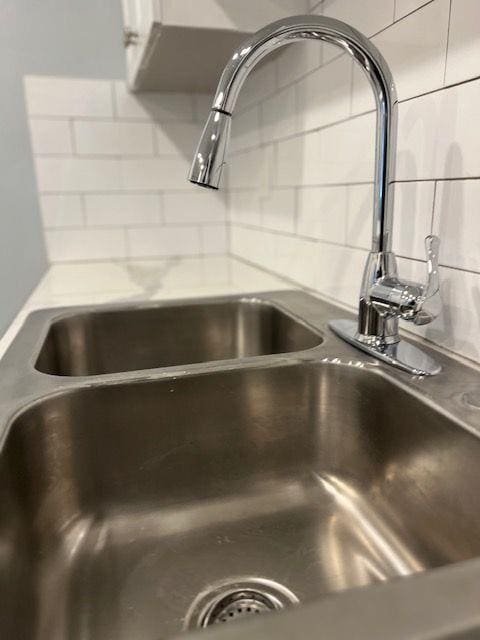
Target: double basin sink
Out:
[179,466]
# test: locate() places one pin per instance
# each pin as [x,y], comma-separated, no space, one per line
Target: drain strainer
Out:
[239,604]
[240,598]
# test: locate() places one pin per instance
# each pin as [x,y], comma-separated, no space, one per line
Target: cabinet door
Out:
[139,17]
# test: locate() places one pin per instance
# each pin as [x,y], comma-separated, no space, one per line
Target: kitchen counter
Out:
[142,280]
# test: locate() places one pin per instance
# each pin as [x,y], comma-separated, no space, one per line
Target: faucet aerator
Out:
[208,162]
[205,185]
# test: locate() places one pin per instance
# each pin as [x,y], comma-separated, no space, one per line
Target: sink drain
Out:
[239,604]
[241,598]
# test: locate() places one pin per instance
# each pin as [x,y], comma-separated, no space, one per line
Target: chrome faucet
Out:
[384,298]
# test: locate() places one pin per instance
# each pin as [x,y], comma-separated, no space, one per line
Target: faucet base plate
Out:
[402,355]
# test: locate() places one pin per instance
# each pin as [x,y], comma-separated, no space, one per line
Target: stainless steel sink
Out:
[101,342]
[130,502]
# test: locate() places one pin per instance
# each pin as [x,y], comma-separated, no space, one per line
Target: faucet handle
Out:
[411,301]
[429,303]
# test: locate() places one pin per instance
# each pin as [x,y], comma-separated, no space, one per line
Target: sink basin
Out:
[113,341]
[122,502]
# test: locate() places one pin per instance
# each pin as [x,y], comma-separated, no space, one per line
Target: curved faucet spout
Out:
[210,157]
[384,298]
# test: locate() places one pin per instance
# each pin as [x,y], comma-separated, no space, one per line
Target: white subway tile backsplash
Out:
[415,51]
[362,96]
[298,161]
[412,217]
[439,134]
[458,326]
[297,258]
[253,245]
[164,172]
[360,215]
[245,207]
[252,169]
[457,222]
[61,211]
[53,96]
[260,83]
[107,161]
[163,241]
[339,273]
[412,220]
[368,16]
[178,138]
[403,7]
[323,97]
[77,174]
[296,60]
[160,107]
[463,55]
[214,238]
[113,138]
[196,205]
[278,210]
[328,161]
[292,256]
[68,245]
[347,151]
[322,213]
[245,129]
[50,136]
[202,103]
[279,115]
[122,209]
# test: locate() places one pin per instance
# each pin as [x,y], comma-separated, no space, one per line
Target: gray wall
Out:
[80,38]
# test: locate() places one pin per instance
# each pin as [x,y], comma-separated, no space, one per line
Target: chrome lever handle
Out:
[429,303]
[411,301]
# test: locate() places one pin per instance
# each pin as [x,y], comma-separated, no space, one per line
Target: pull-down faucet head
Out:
[384,298]
[209,160]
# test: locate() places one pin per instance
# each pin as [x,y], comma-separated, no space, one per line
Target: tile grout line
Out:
[350,118]
[335,57]
[318,241]
[141,225]
[419,8]
[448,43]
[290,234]
[113,98]
[179,192]
[434,203]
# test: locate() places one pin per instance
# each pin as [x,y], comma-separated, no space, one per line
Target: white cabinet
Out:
[182,45]
[139,16]
[238,15]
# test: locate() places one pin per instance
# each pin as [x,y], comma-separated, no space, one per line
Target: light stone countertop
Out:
[84,283]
